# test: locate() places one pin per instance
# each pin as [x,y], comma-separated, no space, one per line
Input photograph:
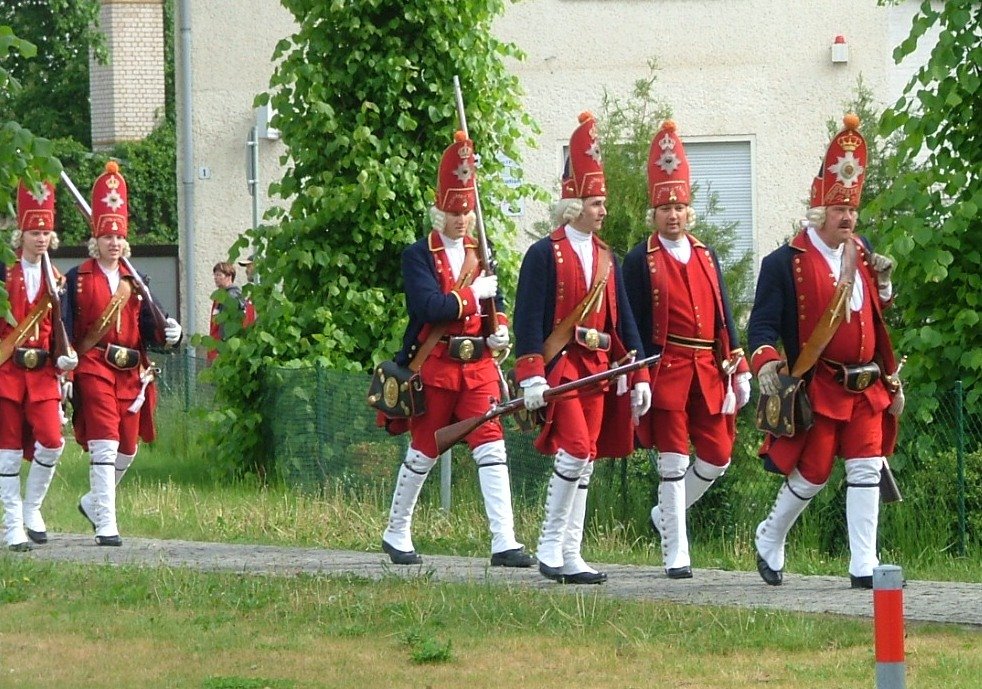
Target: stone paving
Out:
[924,601]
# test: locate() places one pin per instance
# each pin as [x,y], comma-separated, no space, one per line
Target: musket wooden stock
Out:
[448,436]
[159,319]
[60,344]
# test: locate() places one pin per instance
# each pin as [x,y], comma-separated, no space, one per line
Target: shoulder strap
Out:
[835,313]
[104,322]
[563,333]
[17,336]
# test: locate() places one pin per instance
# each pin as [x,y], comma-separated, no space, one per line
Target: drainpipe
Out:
[185,138]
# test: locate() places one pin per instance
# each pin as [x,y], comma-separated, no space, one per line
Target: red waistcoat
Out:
[15,383]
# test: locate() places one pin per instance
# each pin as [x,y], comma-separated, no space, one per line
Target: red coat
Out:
[88,295]
[15,383]
[863,339]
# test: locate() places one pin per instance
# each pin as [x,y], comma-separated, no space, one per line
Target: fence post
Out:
[960,457]
[888,627]
[445,480]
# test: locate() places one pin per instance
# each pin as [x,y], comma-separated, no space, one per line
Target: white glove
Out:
[640,400]
[533,391]
[67,362]
[172,331]
[499,339]
[899,401]
[67,388]
[742,389]
[485,287]
[883,265]
[770,384]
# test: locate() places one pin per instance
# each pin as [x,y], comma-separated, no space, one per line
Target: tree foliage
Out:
[363,95]
[54,98]
[928,216]
[23,156]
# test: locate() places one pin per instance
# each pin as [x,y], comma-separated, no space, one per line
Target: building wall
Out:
[128,92]
[749,70]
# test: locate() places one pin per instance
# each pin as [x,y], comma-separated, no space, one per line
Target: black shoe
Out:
[770,577]
[583,578]
[516,557]
[401,557]
[81,510]
[679,572]
[109,540]
[861,582]
[554,573]
[19,547]
[37,536]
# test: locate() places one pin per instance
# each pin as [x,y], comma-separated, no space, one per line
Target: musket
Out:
[488,307]
[159,319]
[448,436]
[61,345]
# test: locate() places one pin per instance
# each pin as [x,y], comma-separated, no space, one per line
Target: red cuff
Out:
[529,366]
[467,304]
[502,318]
[763,355]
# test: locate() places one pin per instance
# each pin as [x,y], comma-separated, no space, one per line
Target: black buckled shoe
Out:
[109,540]
[19,547]
[860,582]
[37,536]
[679,572]
[583,578]
[516,557]
[401,557]
[81,511]
[554,573]
[770,576]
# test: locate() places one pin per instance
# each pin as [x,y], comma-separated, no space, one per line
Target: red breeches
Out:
[576,424]
[42,418]
[711,435]
[861,436]
[105,416]
[444,407]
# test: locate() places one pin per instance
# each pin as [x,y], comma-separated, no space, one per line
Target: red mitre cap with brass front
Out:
[668,168]
[840,179]
[584,174]
[36,211]
[110,209]
[455,184]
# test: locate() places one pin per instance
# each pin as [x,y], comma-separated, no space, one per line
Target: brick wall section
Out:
[127,93]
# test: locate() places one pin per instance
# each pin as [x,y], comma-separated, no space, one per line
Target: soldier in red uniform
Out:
[30,414]
[679,300]
[572,319]
[111,326]
[444,285]
[855,415]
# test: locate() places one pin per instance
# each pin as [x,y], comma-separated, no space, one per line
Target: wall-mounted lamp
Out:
[840,50]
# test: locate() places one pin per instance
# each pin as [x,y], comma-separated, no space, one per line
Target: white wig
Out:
[816,217]
[438,219]
[17,239]
[94,248]
[565,211]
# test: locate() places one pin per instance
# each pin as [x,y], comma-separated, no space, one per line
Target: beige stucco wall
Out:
[757,70]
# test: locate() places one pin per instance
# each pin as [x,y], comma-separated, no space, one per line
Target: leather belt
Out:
[854,377]
[690,342]
[30,358]
[591,339]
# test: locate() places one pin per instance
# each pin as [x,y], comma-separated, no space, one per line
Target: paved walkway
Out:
[955,603]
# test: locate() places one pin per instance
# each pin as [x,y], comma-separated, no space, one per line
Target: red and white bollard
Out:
[888,627]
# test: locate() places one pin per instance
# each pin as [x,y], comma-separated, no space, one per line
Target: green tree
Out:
[23,156]
[363,93]
[928,216]
[54,98]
